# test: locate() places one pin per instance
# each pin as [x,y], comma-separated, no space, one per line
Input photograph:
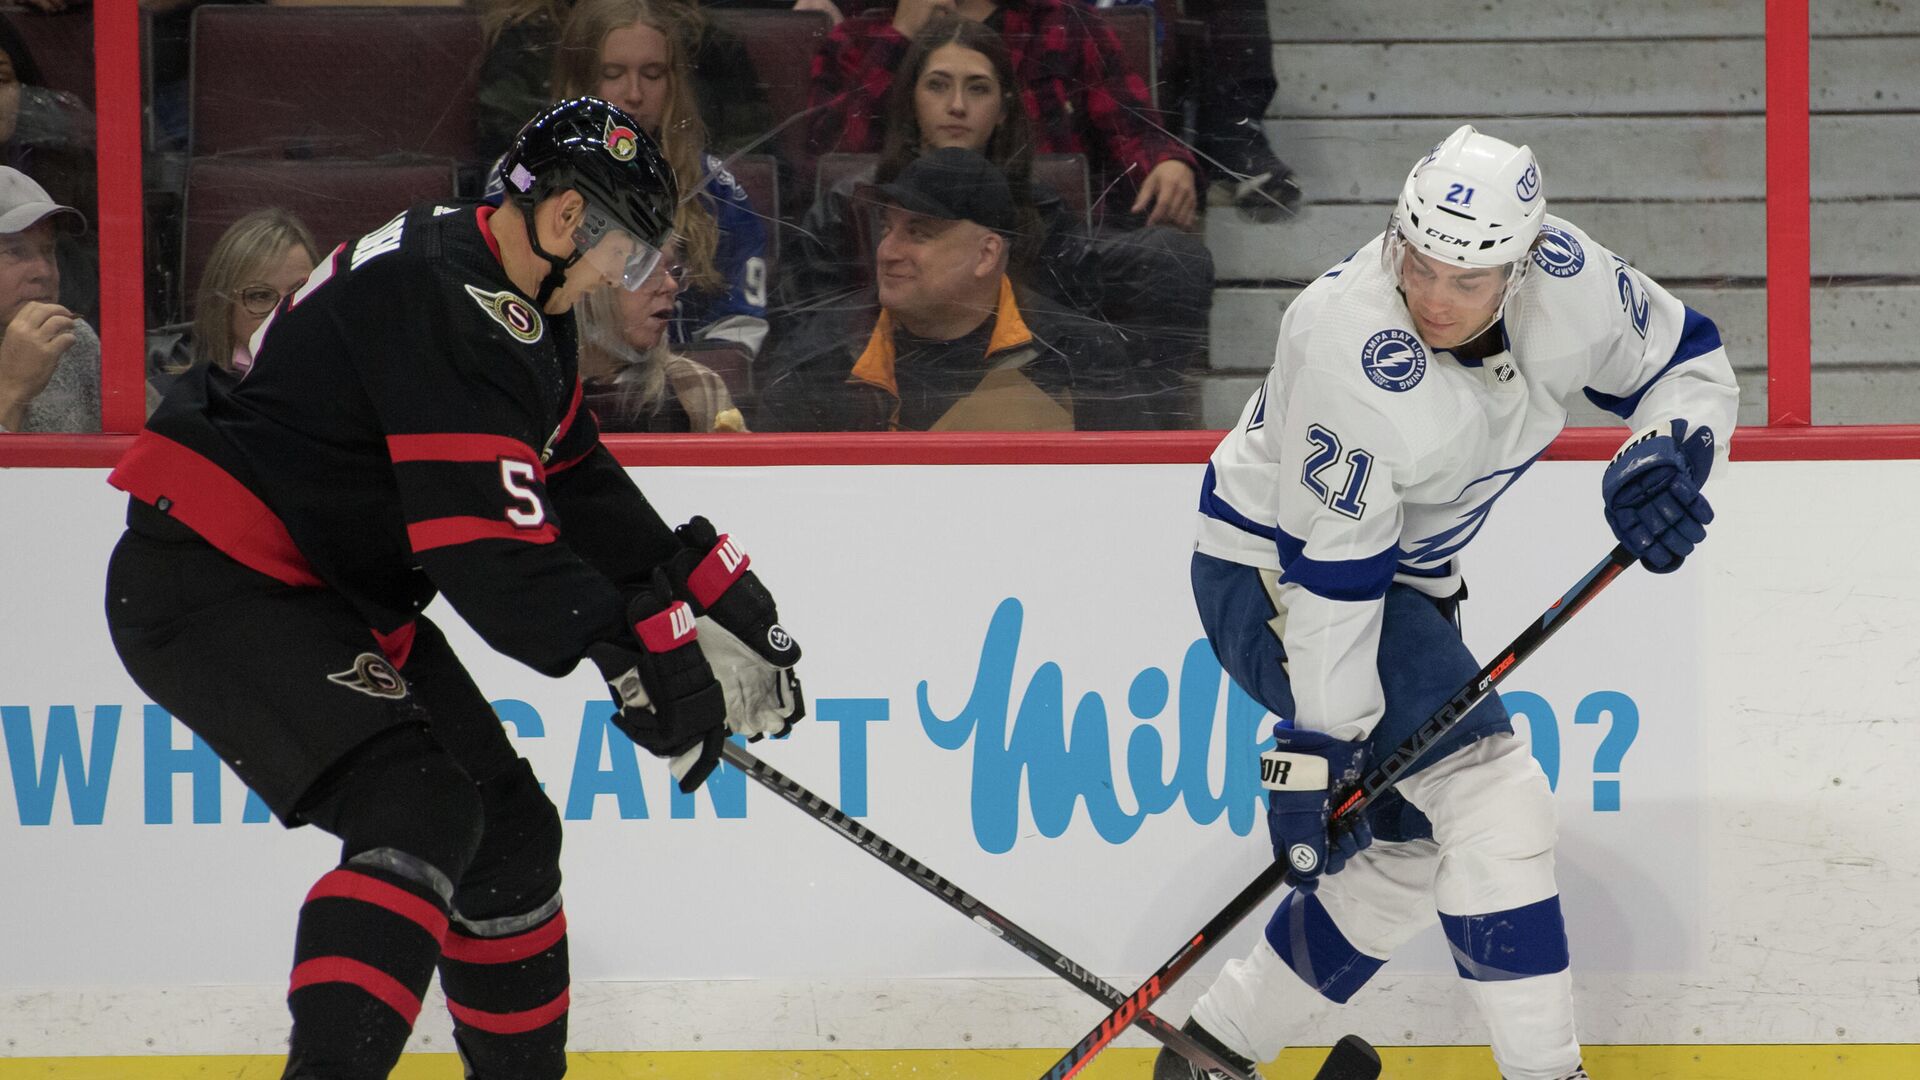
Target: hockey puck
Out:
[1352,1059]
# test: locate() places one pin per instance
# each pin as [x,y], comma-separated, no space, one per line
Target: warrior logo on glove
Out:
[752,654]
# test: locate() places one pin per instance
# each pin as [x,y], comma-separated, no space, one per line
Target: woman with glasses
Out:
[261,258]
[631,378]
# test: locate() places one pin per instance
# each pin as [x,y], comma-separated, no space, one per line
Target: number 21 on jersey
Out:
[1348,497]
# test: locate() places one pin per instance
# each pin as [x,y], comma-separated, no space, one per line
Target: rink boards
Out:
[1007,681]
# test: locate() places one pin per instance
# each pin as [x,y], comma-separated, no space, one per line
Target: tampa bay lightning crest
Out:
[1558,253]
[1394,360]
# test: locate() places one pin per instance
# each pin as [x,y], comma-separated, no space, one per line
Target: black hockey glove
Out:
[670,704]
[752,654]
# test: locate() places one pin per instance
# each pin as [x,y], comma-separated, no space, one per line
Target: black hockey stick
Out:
[961,901]
[1383,775]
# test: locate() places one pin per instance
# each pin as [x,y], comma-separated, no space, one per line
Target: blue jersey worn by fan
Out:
[1412,385]
[735,310]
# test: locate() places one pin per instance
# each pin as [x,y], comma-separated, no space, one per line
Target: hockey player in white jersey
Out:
[1411,386]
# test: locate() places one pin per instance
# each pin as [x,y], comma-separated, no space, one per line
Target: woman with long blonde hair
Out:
[634,53]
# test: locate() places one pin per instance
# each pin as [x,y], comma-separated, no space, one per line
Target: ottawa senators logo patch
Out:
[622,142]
[511,312]
[372,676]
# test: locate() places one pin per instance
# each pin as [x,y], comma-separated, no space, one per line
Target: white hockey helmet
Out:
[1473,200]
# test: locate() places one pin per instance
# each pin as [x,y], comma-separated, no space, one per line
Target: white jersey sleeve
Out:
[1343,465]
[1661,360]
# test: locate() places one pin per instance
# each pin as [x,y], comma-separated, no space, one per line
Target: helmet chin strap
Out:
[557,267]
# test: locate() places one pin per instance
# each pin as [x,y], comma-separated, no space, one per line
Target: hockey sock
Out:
[507,987]
[1514,964]
[363,956]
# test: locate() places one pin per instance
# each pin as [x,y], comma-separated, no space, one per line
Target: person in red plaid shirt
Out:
[1076,86]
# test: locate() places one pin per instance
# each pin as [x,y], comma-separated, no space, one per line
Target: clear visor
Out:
[617,254]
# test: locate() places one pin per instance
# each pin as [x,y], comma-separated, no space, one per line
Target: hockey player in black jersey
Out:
[412,427]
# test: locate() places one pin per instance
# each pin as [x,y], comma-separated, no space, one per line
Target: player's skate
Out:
[1171,1066]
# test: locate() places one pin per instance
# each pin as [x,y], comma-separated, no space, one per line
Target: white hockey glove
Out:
[740,632]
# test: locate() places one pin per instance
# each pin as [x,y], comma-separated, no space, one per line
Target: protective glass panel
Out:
[1168,178]
[1866,203]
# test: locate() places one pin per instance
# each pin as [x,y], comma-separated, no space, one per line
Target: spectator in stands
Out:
[49,135]
[1235,84]
[1074,83]
[49,357]
[633,380]
[261,259]
[516,79]
[631,53]
[956,345]
[954,88]
[1153,284]
[1230,85]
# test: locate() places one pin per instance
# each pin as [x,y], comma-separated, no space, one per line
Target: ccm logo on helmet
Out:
[621,141]
[1445,239]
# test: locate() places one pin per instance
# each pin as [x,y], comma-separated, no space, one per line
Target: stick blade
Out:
[1352,1059]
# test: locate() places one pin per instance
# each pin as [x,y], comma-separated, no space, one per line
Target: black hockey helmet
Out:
[587,145]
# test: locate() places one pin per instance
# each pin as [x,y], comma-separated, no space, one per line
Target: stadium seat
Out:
[781,45]
[62,47]
[338,200]
[1067,175]
[334,82]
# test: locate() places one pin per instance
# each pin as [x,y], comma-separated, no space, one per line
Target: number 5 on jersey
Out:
[1347,498]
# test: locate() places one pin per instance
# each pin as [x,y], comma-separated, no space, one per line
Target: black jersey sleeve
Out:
[607,518]
[466,413]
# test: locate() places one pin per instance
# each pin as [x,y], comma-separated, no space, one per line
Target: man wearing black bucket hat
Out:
[955,344]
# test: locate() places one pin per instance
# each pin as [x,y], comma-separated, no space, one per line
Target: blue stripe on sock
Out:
[1304,935]
[1518,943]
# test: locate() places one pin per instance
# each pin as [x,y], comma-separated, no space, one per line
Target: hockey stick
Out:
[1380,777]
[961,901]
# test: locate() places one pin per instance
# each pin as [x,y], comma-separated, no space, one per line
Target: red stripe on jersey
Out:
[717,572]
[566,428]
[398,645]
[209,500]
[343,884]
[505,950]
[563,466]
[448,531]
[512,1023]
[458,447]
[483,217]
[339,969]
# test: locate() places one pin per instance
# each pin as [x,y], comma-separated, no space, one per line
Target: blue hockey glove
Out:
[1652,493]
[1303,774]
